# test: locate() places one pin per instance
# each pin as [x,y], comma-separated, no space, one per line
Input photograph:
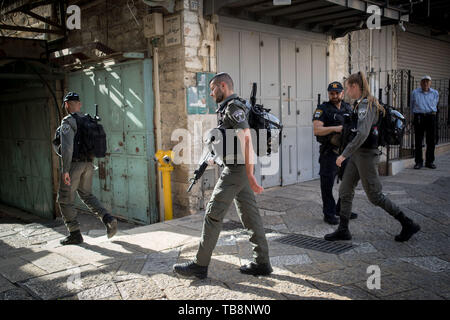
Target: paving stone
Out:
[130,269]
[321,257]
[270,221]
[96,233]
[50,262]
[161,262]
[15,294]
[227,240]
[416,294]
[294,287]
[250,290]
[5,285]
[277,204]
[433,264]
[15,241]
[44,238]
[53,286]
[170,280]
[17,269]
[328,280]
[389,285]
[272,236]
[101,292]
[7,233]
[352,293]
[140,289]
[287,260]
[265,212]
[304,269]
[92,276]
[225,250]
[390,248]
[159,240]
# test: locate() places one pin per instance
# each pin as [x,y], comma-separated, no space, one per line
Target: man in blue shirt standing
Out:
[424,101]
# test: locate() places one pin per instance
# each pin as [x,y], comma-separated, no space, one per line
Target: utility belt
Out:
[425,113]
[81,160]
[328,148]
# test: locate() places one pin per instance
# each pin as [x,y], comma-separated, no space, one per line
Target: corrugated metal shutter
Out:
[423,55]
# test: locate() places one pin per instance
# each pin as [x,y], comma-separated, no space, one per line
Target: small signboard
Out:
[199,100]
[172,31]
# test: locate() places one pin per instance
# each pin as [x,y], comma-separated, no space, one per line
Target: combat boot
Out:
[256,269]
[189,269]
[73,238]
[342,232]
[408,228]
[111,225]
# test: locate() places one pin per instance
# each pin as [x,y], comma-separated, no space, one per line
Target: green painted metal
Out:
[198,99]
[25,160]
[125,180]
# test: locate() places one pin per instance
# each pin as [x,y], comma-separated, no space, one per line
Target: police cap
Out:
[71,96]
[335,86]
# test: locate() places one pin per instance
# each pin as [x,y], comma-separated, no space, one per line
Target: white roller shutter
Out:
[423,55]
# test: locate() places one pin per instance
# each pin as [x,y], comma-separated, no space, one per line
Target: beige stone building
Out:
[147,64]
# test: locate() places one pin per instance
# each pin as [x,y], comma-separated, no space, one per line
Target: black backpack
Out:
[391,127]
[89,141]
[260,118]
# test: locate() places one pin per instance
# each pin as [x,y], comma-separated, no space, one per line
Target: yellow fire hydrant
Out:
[165,166]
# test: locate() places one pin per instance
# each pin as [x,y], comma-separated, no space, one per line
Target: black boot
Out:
[74,238]
[256,269]
[408,228]
[111,225]
[331,220]
[189,269]
[352,215]
[342,232]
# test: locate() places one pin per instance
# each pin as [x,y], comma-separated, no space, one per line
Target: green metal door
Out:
[25,159]
[125,181]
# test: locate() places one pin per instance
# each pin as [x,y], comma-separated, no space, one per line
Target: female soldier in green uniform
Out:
[363,164]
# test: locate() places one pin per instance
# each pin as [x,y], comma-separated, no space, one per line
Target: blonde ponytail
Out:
[361,80]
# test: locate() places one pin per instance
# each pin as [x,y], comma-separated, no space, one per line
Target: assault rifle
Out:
[346,136]
[208,155]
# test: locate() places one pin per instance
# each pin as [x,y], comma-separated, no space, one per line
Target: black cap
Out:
[335,86]
[71,96]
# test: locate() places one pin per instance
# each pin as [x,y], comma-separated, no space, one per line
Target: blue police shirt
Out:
[424,101]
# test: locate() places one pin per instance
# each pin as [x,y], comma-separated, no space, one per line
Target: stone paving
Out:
[137,262]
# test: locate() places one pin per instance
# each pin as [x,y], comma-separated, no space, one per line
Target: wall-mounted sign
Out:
[193,5]
[198,99]
[172,31]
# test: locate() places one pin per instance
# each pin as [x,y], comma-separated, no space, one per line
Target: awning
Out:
[332,17]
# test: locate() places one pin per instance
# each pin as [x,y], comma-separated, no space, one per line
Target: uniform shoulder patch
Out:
[238,115]
[362,112]
[65,128]
[318,113]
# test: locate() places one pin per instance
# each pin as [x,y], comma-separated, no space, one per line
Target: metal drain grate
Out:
[317,244]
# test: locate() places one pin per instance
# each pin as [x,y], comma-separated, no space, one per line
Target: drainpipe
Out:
[157,121]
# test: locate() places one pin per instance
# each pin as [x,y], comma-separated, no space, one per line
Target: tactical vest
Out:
[372,139]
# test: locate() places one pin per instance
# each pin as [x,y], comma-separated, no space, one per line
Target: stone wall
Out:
[200,56]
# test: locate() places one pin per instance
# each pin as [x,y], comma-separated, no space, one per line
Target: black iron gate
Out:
[395,88]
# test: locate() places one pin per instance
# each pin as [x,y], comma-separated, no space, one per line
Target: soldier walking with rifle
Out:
[363,164]
[237,182]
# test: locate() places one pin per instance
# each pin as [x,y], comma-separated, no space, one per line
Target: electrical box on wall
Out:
[153,25]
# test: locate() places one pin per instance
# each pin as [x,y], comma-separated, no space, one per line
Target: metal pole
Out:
[388,100]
